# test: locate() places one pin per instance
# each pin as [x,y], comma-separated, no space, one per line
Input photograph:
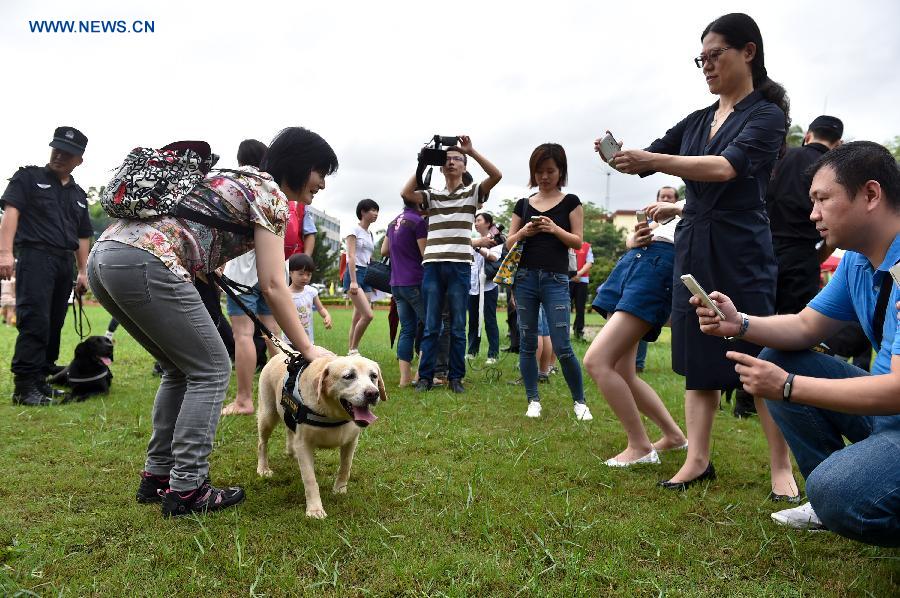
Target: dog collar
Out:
[99,376]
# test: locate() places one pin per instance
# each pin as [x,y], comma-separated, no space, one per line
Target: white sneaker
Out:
[802,517]
[582,413]
[470,357]
[490,361]
[534,409]
[352,352]
[651,457]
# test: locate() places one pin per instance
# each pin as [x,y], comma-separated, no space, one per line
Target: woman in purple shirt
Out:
[405,243]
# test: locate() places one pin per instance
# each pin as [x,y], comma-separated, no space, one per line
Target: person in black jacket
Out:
[794,235]
[46,219]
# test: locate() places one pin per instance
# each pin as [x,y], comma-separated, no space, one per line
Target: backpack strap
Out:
[884,295]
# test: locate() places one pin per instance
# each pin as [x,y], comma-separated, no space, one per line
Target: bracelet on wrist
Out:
[745,324]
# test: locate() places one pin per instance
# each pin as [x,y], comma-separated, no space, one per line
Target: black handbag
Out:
[378,275]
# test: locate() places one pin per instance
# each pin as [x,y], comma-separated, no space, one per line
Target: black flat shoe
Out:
[708,474]
[794,500]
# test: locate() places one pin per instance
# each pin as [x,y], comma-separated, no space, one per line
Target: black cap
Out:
[69,139]
[828,122]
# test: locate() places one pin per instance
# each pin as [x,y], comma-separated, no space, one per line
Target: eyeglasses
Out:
[455,159]
[712,57]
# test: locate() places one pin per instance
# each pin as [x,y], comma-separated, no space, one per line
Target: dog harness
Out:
[295,411]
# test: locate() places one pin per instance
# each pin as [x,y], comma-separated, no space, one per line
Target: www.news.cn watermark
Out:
[93,26]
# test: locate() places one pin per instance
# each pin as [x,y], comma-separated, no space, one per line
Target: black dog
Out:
[89,373]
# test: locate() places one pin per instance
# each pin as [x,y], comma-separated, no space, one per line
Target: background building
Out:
[330,225]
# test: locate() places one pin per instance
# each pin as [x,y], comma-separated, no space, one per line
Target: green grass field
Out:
[449,495]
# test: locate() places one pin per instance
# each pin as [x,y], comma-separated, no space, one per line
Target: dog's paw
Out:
[339,488]
[316,512]
[264,472]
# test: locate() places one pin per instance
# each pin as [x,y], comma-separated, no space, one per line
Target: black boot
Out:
[26,392]
[46,389]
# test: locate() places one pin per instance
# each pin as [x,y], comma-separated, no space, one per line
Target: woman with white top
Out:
[636,299]
[360,245]
[483,291]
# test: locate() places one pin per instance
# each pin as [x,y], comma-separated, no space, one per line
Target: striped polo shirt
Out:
[451,216]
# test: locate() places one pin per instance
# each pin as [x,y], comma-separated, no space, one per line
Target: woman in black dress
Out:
[725,154]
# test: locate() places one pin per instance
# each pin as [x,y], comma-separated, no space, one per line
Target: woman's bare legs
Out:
[610,363]
[362,317]
[783,481]
[700,408]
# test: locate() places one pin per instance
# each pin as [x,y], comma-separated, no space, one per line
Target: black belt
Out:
[55,251]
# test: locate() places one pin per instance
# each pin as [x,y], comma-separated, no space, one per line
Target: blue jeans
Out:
[533,289]
[855,489]
[410,311]
[490,323]
[442,280]
[640,359]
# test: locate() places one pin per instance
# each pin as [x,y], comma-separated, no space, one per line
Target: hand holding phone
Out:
[608,146]
[694,287]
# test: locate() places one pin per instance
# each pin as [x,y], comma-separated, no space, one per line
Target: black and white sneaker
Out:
[203,499]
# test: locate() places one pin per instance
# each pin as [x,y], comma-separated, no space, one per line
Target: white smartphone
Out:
[693,286]
[895,273]
[641,216]
[608,147]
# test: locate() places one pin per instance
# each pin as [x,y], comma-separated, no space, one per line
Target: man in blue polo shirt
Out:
[818,400]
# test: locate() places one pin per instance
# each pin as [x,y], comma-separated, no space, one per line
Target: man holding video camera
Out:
[448,249]
[818,400]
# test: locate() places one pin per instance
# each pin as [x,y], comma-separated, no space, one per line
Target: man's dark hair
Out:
[677,195]
[365,205]
[857,162]
[251,152]
[301,261]
[548,151]
[827,134]
[294,154]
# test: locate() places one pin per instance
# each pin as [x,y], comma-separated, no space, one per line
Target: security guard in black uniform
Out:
[794,235]
[46,218]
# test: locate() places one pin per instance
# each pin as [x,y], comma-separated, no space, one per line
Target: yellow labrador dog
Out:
[336,390]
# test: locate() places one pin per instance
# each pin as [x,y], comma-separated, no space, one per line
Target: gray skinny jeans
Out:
[166,316]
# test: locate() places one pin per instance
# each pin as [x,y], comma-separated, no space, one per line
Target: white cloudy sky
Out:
[377,79]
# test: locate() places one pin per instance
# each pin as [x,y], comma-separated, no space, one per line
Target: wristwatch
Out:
[788,386]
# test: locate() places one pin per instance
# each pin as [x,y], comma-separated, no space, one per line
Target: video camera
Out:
[433,154]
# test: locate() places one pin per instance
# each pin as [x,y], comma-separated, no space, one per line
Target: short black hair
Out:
[294,154]
[829,134]
[301,261]
[858,162]
[365,205]
[487,217]
[251,152]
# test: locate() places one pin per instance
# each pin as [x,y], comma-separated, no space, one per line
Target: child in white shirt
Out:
[306,298]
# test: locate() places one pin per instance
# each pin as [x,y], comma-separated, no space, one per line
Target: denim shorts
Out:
[360,277]
[640,284]
[255,302]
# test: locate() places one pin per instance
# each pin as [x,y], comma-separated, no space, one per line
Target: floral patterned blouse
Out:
[187,247]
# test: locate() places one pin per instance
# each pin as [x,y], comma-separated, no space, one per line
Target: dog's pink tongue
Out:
[362,416]
[106,361]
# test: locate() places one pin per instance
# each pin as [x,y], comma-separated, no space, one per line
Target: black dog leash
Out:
[79,317]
